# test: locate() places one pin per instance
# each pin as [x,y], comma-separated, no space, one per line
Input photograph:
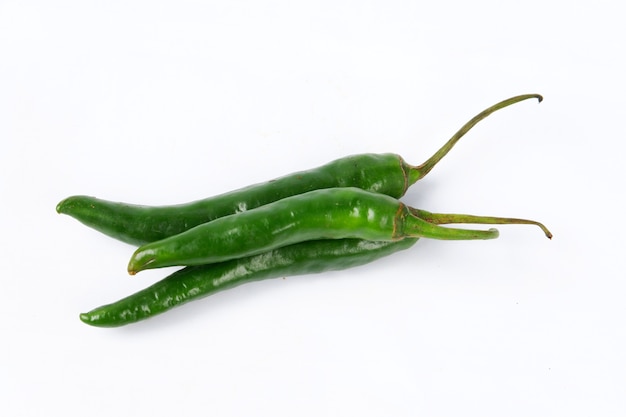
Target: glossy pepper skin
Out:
[381,173]
[195,282]
[334,213]
[135,224]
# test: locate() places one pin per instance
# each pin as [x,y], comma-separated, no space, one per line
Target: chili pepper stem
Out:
[420,171]
[414,226]
[447,218]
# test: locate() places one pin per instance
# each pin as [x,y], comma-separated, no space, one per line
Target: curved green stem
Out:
[446,218]
[420,171]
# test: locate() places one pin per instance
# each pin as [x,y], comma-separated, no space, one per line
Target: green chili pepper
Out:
[334,213]
[381,173]
[195,282]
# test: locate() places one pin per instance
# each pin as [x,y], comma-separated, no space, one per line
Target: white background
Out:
[166,102]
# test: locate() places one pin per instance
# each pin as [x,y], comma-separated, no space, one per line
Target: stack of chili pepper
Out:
[337,216]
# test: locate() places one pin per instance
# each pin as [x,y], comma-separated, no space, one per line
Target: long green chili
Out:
[381,173]
[334,213]
[195,282]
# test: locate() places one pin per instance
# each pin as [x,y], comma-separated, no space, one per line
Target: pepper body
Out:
[380,173]
[334,213]
[136,224]
[196,282]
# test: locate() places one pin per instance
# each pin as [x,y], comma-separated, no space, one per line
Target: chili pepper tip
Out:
[60,206]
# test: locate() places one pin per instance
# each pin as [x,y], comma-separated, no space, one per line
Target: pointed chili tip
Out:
[68,204]
[141,260]
[539,98]
[60,206]
[97,318]
[135,266]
